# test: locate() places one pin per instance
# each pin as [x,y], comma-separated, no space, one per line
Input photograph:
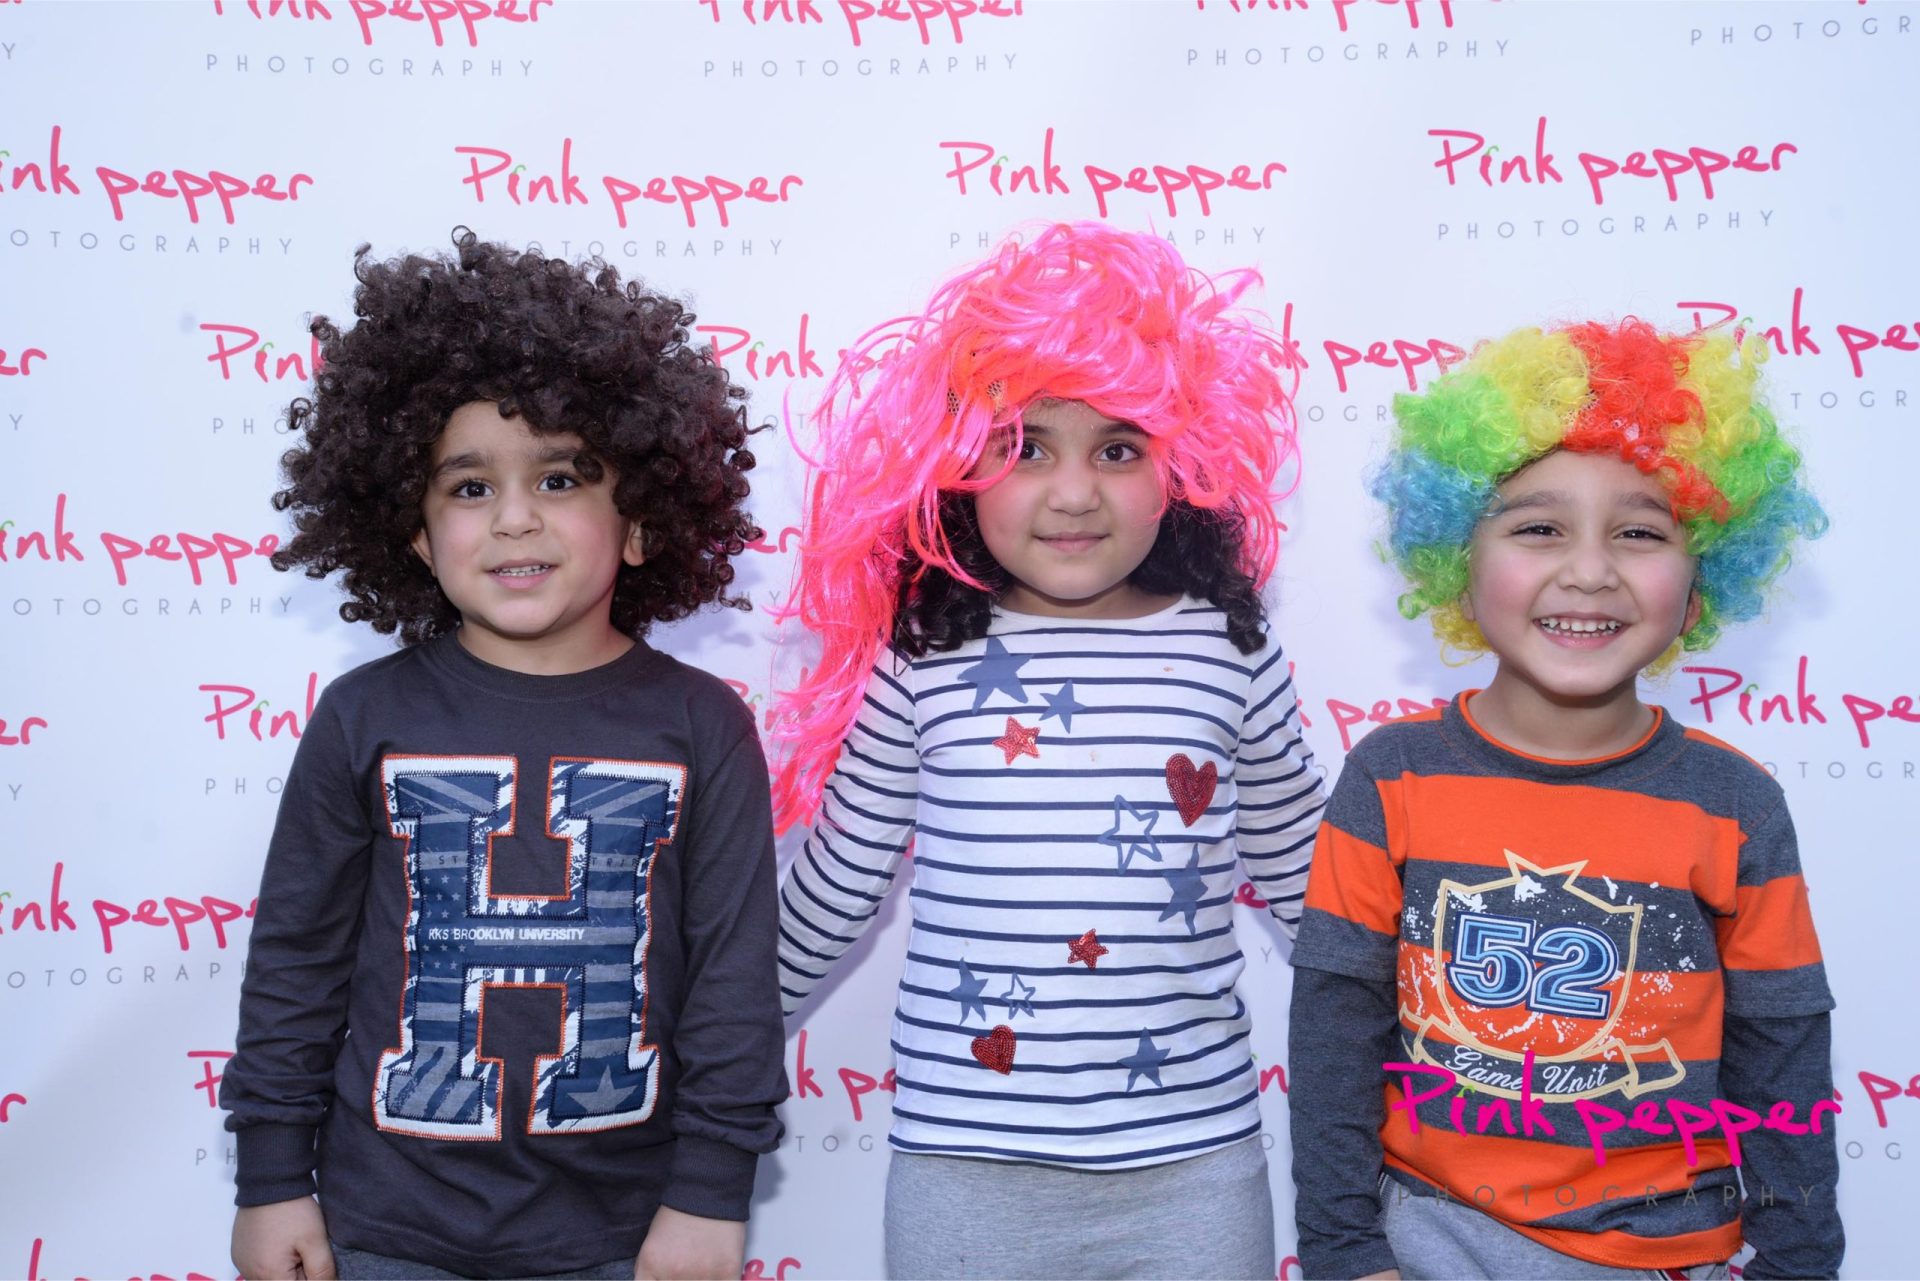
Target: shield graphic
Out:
[1531,962]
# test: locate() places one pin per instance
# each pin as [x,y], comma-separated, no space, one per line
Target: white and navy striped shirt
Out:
[1081,796]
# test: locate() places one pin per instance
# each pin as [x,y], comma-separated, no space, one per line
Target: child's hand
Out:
[285,1239]
[686,1247]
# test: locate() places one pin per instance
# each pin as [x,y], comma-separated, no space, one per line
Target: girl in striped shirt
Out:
[1035,539]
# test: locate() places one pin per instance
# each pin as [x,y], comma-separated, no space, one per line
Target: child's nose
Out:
[1589,566]
[515,514]
[1075,489]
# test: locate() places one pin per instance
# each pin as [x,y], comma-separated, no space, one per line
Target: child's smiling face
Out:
[1579,579]
[524,544]
[1074,516]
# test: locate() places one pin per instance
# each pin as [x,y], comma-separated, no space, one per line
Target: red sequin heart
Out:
[995,1049]
[1191,789]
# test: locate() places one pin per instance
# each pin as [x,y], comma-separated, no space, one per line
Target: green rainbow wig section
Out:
[1686,409]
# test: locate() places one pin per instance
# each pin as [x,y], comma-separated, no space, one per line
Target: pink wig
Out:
[1084,312]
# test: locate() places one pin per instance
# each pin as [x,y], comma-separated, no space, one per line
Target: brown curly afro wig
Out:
[566,348]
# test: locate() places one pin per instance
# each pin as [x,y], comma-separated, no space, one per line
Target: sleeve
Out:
[1777,1045]
[729,1040]
[1350,920]
[1340,1031]
[1768,951]
[1342,1028]
[293,1003]
[1791,1214]
[1280,790]
[846,866]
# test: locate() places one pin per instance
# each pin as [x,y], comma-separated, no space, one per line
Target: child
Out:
[1032,557]
[1567,922]
[521,465]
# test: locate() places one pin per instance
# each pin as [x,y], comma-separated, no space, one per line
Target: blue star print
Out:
[998,670]
[1132,833]
[968,994]
[1189,887]
[1062,704]
[1145,1061]
[604,1097]
[1019,997]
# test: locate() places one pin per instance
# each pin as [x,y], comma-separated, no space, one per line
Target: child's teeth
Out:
[523,571]
[1579,626]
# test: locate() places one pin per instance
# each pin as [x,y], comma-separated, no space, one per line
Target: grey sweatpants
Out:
[1439,1239]
[1207,1216]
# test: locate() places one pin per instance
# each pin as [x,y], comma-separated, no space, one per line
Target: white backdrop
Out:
[156,670]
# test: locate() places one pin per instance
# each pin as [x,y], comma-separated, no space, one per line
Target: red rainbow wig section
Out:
[1081,312]
[1639,410]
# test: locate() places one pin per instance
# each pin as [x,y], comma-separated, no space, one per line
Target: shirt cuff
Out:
[711,1179]
[274,1163]
[1359,1260]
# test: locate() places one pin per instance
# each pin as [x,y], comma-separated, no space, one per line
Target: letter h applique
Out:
[461,939]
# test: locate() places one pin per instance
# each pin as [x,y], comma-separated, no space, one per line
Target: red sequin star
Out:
[1018,740]
[1085,948]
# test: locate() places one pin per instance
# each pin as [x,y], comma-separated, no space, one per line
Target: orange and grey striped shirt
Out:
[1545,946]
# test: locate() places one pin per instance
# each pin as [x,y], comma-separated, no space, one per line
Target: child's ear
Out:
[634,550]
[1694,606]
[422,547]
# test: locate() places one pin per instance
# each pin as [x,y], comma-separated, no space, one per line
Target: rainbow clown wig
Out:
[1686,409]
[892,554]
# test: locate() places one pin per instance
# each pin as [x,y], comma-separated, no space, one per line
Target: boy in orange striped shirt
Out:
[1576,932]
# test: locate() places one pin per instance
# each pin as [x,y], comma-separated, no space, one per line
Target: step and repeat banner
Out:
[183,184]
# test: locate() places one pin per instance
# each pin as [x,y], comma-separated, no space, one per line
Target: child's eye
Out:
[558,482]
[1030,452]
[1119,451]
[1642,532]
[1539,528]
[470,489]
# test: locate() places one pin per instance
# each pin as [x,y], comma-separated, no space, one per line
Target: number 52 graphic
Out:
[1501,961]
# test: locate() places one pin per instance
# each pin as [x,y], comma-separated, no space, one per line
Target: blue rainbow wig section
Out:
[1738,567]
[1435,505]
